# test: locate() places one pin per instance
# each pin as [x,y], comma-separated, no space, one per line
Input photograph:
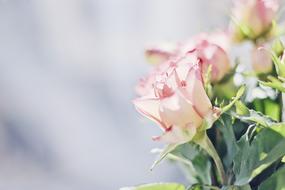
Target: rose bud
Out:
[261,60]
[211,49]
[214,56]
[177,102]
[252,18]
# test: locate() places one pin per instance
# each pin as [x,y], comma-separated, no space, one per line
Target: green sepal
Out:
[163,154]
[277,47]
[251,116]
[279,64]
[239,94]
[194,161]
[274,83]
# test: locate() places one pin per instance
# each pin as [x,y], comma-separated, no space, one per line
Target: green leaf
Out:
[272,109]
[283,159]
[241,109]
[244,31]
[157,186]
[274,83]
[195,161]
[278,47]
[275,181]
[253,157]
[244,187]
[225,125]
[258,105]
[163,154]
[255,117]
[279,65]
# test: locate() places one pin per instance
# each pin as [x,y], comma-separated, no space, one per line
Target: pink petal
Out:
[150,109]
[185,64]
[196,92]
[177,110]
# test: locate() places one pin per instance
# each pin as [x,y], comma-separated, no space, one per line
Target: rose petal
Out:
[177,110]
[150,109]
[196,92]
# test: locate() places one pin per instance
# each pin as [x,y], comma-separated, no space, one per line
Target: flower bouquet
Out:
[222,117]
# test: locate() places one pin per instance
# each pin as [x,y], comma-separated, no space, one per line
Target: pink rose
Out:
[177,101]
[261,60]
[257,15]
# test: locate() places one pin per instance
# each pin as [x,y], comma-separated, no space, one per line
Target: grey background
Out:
[67,74]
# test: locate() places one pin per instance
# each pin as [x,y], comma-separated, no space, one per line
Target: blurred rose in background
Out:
[67,72]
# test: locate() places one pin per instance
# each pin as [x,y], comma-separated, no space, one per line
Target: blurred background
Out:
[67,74]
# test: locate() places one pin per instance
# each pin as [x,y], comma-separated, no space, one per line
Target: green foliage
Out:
[279,64]
[195,161]
[239,94]
[256,153]
[225,125]
[276,181]
[275,83]
[163,154]
[278,47]
[233,187]
[272,109]
[252,117]
[258,148]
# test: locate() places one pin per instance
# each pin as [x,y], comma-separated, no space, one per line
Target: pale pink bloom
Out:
[255,14]
[261,60]
[177,102]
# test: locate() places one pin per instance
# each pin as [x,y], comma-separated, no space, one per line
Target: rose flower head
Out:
[177,101]
[252,18]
